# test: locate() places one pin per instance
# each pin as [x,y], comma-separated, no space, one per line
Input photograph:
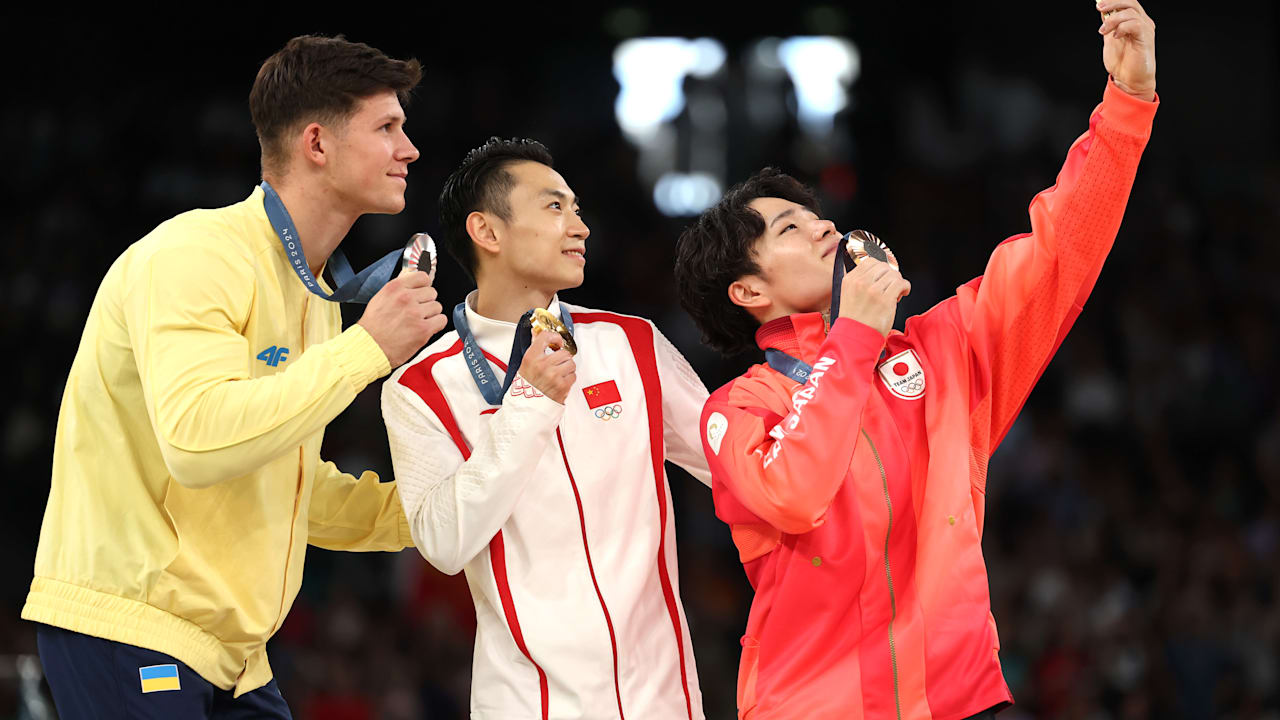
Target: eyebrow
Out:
[561,195]
[785,213]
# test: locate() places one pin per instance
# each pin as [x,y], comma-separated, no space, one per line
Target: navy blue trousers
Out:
[105,680]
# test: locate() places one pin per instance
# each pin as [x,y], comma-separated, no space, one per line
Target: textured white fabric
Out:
[544,475]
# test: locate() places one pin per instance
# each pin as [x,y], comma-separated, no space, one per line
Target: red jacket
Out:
[856,500]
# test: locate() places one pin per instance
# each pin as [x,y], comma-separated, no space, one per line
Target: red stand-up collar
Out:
[798,335]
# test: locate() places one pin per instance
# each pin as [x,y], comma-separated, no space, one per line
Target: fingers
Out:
[435,323]
[413,279]
[542,342]
[1127,27]
[1109,6]
[558,358]
[1112,21]
[867,273]
[432,310]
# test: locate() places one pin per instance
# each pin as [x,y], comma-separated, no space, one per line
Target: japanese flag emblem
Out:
[903,375]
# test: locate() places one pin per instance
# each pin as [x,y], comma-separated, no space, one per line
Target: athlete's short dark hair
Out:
[720,248]
[320,79]
[482,184]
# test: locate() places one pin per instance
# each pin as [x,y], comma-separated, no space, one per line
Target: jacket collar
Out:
[798,335]
[496,336]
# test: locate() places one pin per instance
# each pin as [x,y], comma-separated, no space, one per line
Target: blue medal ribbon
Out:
[352,287]
[484,377]
[794,368]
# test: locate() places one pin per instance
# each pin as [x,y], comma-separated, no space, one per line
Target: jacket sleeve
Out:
[683,396]
[185,312]
[350,513]
[457,498]
[1017,313]
[787,472]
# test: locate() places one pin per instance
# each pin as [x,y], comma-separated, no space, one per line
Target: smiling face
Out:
[368,157]
[795,255]
[542,242]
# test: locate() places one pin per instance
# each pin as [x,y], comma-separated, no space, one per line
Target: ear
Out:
[314,142]
[748,292]
[483,233]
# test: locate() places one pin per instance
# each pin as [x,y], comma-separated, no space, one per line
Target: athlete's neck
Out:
[507,302]
[321,220]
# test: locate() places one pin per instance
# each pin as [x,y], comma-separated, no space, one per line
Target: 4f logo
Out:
[273,355]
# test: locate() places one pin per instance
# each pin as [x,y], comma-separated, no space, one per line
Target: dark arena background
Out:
[1133,513]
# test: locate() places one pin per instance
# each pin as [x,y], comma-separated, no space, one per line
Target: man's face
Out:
[795,255]
[543,243]
[369,165]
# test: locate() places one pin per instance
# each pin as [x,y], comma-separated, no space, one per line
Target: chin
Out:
[572,281]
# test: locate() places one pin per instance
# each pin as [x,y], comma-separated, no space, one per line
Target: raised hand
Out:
[1129,46]
[552,373]
[870,294]
[403,316]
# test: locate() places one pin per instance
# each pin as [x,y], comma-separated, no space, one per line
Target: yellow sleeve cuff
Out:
[358,356]
[406,535]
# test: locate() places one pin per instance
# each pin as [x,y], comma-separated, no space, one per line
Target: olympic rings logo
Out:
[915,386]
[609,412]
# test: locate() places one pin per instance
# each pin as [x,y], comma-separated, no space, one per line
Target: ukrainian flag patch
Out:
[157,678]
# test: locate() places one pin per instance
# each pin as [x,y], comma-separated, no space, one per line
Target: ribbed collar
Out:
[798,335]
[496,336]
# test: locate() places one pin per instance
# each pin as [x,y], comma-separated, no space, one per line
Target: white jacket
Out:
[560,515]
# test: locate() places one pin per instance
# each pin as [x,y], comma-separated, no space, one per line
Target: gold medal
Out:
[544,320]
[863,245]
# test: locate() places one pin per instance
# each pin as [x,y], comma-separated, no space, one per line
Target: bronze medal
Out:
[863,245]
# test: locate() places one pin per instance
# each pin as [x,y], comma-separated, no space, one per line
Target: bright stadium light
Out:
[651,73]
[681,195]
[821,69]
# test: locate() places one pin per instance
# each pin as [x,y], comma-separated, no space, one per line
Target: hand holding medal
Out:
[868,292]
[404,313]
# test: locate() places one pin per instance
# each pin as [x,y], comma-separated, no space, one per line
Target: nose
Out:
[822,228]
[408,152]
[577,228]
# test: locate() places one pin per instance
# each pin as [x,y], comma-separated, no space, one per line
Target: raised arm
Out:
[185,312]
[1016,315]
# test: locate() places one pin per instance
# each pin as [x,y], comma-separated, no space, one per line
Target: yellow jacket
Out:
[187,479]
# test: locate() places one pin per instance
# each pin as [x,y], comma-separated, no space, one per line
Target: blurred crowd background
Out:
[1133,531]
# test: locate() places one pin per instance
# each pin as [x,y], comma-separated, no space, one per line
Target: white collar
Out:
[496,336]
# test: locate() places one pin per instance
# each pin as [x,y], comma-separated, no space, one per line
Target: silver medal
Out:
[420,254]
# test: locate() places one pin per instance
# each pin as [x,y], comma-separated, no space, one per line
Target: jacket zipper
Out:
[582,520]
[888,573]
[297,493]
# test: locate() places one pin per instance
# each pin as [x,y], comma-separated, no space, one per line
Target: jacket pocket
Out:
[747,669]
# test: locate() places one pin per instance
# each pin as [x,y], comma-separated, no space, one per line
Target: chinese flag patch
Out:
[601,394]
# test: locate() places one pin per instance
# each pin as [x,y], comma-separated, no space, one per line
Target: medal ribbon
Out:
[351,287]
[484,377]
[795,368]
